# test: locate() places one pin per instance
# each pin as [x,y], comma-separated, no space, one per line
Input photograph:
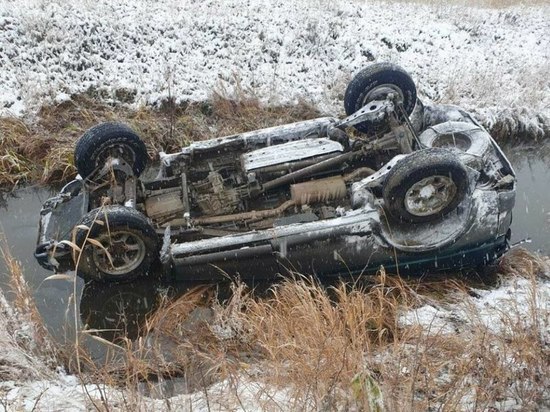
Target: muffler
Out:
[318,191]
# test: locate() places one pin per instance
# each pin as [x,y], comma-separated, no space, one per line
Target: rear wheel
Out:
[375,83]
[424,186]
[120,244]
[109,140]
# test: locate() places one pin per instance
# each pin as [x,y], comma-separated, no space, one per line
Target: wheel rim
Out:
[458,140]
[381,93]
[430,195]
[122,252]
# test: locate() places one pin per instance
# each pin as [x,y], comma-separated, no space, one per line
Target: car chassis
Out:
[421,188]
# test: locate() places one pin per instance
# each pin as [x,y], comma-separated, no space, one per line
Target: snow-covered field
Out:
[494,62]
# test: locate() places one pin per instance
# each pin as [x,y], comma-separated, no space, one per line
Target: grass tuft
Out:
[24,331]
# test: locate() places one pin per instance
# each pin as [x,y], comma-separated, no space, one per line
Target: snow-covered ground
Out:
[67,393]
[492,310]
[494,62]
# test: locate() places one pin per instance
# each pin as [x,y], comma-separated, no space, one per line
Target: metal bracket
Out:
[374,111]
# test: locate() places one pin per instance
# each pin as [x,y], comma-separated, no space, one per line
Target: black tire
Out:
[374,83]
[126,234]
[114,139]
[425,186]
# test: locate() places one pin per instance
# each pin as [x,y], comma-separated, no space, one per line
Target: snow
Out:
[517,306]
[17,340]
[67,393]
[34,386]
[516,299]
[491,61]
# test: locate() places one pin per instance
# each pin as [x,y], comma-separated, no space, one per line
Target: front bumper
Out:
[59,215]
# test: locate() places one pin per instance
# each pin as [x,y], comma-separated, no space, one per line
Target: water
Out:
[531,215]
[19,217]
[19,227]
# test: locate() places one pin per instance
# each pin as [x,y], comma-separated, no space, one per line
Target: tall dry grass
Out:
[41,150]
[28,348]
[479,366]
[328,345]
[342,346]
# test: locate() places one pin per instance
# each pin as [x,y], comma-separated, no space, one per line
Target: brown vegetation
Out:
[41,150]
[28,351]
[339,347]
[344,347]
[331,347]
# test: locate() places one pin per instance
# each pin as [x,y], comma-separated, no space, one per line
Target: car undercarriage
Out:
[395,183]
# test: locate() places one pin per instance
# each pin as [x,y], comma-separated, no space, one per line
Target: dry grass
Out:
[324,343]
[41,150]
[25,333]
[343,347]
[15,166]
[316,338]
[477,367]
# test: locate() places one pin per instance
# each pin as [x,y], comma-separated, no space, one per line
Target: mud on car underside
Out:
[414,188]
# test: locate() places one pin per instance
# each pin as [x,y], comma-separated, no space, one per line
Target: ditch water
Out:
[19,216]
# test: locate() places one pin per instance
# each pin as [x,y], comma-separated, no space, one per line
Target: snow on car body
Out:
[423,188]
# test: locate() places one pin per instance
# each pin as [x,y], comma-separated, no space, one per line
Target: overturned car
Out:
[412,187]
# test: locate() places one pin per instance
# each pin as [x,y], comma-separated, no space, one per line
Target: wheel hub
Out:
[430,195]
[122,252]
[381,92]
[116,153]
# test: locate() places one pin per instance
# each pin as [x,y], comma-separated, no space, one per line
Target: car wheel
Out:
[375,83]
[461,136]
[424,186]
[106,140]
[120,244]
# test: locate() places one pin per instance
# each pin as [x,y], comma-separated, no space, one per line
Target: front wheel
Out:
[109,140]
[119,245]
[425,185]
[376,82]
